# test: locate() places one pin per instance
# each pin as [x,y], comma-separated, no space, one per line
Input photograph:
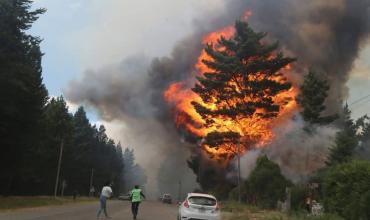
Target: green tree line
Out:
[35,127]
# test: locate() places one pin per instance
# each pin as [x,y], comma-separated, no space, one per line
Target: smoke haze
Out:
[123,97]
[298,152]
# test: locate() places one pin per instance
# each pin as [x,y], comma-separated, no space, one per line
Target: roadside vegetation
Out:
[236,211]
[19,202]
[344,191]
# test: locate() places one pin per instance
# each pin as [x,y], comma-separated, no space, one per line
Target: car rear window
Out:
[198,200]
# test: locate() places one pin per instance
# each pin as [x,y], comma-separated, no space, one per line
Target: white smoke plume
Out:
[298,151]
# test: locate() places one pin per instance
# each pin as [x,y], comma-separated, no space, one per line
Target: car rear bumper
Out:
[199,216]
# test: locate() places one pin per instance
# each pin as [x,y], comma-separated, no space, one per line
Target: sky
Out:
[359,84]
[88,34]
[81,35]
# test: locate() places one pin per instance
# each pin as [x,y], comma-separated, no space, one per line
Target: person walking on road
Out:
[135,196]
[106,193]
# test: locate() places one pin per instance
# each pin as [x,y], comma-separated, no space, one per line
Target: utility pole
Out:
[239,185]
[91,180]
[199,171]
[307,160]
[200,162]
[58,170]
[64,185]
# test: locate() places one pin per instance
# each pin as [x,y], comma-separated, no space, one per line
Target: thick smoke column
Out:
[324,35]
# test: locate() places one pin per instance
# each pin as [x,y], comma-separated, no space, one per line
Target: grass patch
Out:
[306,217]
[236,211]
[15,202]
[233,207]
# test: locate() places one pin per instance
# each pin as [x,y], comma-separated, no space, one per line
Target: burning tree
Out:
[241,90]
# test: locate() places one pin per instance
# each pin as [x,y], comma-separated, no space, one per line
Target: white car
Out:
[198,206]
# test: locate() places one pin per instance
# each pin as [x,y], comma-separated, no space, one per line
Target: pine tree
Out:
[266,183]
[59,127]
[313,93]
[22,93]
[59,120]
[129,163]
[102,172]
[83,137]
[119,168]
[346,140]
[241,85]
[133,174]
[81,164]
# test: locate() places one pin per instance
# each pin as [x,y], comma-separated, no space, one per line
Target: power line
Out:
[360,100]
[362,104]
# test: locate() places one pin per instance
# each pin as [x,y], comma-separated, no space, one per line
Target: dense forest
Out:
[38,131]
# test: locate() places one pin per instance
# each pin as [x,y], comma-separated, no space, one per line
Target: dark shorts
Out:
[135,208]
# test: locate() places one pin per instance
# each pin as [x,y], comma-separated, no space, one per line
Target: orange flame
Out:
[180,95]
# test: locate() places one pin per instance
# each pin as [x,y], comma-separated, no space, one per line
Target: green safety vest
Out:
[136,195]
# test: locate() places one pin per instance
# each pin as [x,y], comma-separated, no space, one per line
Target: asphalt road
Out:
[87,211]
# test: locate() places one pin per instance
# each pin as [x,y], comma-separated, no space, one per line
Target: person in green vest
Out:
[136,196]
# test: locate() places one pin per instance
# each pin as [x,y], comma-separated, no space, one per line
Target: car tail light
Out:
[218,207]
[186,203]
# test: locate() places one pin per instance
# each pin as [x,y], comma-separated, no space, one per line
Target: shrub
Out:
[266,185]
[347,190]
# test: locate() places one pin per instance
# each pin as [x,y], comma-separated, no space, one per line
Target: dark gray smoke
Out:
[327,37]
[324,35]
